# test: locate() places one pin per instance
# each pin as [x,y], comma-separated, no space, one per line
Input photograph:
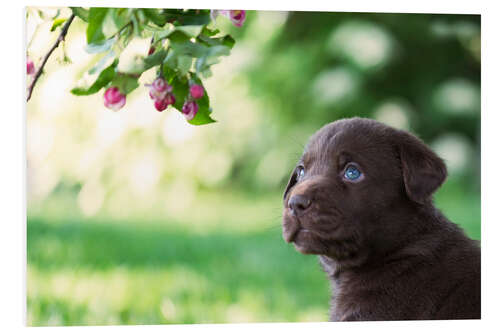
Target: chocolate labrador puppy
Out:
[361,198]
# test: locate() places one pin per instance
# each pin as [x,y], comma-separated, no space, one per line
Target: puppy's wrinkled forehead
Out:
[358,138]
[324,141]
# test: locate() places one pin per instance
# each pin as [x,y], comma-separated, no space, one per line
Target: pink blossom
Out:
[237,17]
[190,109]
[170,98]
[161,104]
[114,99]
[196,91]
[30,66]
[159,89]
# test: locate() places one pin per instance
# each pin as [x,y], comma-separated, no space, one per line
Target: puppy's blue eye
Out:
[352,173]
[301,172]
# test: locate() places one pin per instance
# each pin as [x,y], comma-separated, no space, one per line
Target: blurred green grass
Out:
[93,272]
[100,271]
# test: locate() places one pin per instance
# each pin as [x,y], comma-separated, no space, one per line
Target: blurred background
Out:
[137,217]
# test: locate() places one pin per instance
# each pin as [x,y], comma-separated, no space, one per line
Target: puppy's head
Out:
[353,179]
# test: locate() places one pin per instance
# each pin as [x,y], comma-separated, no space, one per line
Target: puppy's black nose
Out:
[299,203]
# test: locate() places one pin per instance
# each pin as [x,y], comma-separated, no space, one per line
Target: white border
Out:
[12,145]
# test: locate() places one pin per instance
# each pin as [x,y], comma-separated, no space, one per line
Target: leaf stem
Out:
[61,37]
[129,23]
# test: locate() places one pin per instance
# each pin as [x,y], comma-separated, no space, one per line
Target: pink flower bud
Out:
[237,17]
[170,98]
[30,66]
[190,109]
[161,104]
[114,99]
[159,88]
[151,50]
[196,91]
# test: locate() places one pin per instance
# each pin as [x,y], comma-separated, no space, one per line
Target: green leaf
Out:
[169,74]
[190,30]
[228,41]
[208,32]
[176,12]
[189,18]
[155,16]
[223,41]
[57,22]
[81,13]
[202,118]
[195,50]
[126,83]
[154,59]
[121,16]
[184,63]
[125,39]
[180,91]
[218,50]
[202,64]
[116,23]
[102,62]
[148,62]
[177,36]
[136,24]
[153,28]
[100,47]
[94,28]
[206,73]
[106,76]
[163,33]
[171,59]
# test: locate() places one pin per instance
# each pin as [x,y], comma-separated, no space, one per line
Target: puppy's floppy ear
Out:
[423,170]
[291,182]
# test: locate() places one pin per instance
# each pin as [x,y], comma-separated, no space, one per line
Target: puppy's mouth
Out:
[303,240]
[324,236]
[292,236]
[308,240]
[293,229]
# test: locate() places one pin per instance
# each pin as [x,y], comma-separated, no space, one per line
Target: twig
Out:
[63,33]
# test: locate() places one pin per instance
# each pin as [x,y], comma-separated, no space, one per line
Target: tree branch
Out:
[61,37]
